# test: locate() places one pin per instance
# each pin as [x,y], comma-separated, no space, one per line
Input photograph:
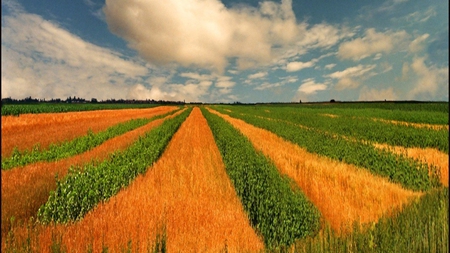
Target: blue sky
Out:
[226,51]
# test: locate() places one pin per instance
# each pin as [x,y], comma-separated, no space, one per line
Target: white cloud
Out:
[330,66]
[225,84]
[367,94]
[196,76]
[206,34]
[352,71]
[202,33]
[417,44]
[265,86]
[347,83]
[350,77]
[372,43]
[43,60]
[430,79]
[258,75]
[298,65]
[309,86]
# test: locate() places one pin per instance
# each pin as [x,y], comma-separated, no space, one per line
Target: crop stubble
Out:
[343,193]
[27,130]
[186,192]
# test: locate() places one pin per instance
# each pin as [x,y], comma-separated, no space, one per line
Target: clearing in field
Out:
[186,197]
[32,184]
[27,130]
[343,193]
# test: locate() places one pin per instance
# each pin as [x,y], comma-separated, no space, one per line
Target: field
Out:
[335,177]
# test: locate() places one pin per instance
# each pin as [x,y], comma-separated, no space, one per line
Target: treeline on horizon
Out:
[30,100]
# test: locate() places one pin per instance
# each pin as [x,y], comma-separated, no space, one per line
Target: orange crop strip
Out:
[429,156]
[187,191]
[27,130]
[343,193]
[417,125]
[26,188]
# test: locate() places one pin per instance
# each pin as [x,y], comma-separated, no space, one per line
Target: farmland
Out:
[358,177]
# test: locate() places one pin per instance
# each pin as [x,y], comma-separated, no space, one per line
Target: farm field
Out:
[228,178]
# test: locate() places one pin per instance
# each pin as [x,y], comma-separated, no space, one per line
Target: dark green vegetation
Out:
[358,124]
[17,109]
[398,169]
[75,146]
[278,212]
[426,113]
[422,226]
[83,188]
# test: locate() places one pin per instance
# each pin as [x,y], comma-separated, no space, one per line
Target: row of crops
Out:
[428,113]
[73,147]
[83,188]
[277,209]
[278,212]
[17,109]
[399,169]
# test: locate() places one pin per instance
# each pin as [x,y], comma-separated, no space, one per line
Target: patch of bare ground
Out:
[429,156]
[27,130]
[417,125]
[343,193]
[25,189]
[186,191]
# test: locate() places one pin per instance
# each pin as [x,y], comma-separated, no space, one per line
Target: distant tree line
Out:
[29,100]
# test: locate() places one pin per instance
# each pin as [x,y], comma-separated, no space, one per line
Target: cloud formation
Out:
[201,33]
[298,65]
[367,94]
[42,59]
[350,77]
[309,86]
[372,43]
[430,79]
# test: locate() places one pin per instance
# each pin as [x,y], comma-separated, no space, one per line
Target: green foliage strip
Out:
[83,188]
[75,146]
[278,212]
[398,169]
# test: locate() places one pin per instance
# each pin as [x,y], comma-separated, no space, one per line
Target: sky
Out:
[225,51]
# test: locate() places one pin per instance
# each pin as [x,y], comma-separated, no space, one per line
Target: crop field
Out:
[335,177]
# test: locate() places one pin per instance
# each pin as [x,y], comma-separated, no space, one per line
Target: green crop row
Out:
[278,212]
[398,169]
[73,147]
[359,128]
[389,106]
[83,188]
[422,226]
[17,109]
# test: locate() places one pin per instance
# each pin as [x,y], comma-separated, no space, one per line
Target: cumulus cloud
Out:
[350,77]
[352,71]
[41,59]
[202,33]
[430,79]
[330,66]
[367,94]
[298,65]
[372,43]
[206,34]
[309,86]
[258,75]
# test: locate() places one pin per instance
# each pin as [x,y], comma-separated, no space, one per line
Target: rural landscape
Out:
[181,177]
